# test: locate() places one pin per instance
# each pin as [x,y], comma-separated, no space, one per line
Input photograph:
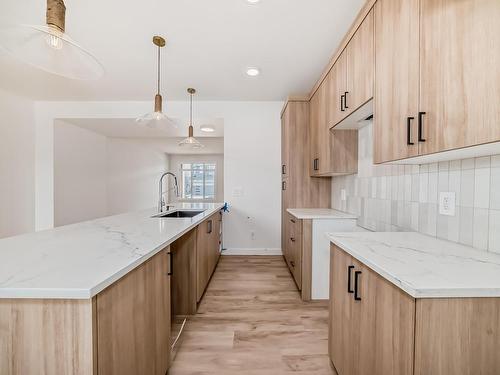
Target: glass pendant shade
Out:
[49,48]
[157,119]
[191,141]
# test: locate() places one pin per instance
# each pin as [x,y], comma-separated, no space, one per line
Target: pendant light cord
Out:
[158,90]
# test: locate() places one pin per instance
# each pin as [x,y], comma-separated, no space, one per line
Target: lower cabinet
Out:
[133,321]
[377,329]
[207,251]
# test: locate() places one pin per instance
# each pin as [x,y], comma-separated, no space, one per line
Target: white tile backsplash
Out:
[405,198]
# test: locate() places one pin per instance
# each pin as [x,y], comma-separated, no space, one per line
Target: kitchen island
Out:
[94,297]
[406,303]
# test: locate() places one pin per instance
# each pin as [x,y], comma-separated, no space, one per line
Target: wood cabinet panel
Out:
[314,133]
[133,321]
[459,73]
[397,79]
[385,320]
[337,87]
[458,336]
[207,252]
[360,66]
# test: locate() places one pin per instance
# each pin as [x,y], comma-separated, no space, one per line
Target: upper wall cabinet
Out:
[439,89]
[350,80]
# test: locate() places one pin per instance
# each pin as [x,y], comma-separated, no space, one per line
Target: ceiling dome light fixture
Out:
[207,128]
[158,119]
[190,141]
[49,48]
[253,72]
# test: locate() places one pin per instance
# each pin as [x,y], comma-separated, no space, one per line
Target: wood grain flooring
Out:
[252,321]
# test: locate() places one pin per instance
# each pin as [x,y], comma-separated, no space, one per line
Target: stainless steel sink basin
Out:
[181,213]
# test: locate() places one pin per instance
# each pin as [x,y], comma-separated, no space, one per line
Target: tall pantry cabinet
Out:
[298,189]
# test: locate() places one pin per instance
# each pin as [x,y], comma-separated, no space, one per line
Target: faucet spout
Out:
[161,201]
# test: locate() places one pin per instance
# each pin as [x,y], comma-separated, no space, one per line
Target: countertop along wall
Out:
[252,143]
[405,198]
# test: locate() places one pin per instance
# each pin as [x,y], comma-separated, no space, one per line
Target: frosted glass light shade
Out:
[191,142]
[157,120]
[49,49]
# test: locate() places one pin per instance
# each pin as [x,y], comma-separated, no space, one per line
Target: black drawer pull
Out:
[292,263]
[421,126]
[408,130]
[349,284]
[356,286]
[283,169]
[209,226]
[171,271]
[316,164]
[283,185]
[292,239]
[342,97]
[292,220]
[345,100]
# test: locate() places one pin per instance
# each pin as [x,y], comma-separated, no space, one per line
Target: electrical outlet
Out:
[447,203]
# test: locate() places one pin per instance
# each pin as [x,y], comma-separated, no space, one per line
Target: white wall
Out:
[175,166]
[80,191]
[251,153]
[17,165]
[133,170]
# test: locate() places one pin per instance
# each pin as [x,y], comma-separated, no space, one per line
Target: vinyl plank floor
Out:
[251,321]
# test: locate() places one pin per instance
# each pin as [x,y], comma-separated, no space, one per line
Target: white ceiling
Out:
[128,128]
[209,45]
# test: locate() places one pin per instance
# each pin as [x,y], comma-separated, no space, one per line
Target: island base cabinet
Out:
[375,328]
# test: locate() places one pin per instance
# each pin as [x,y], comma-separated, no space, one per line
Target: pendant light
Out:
[49,48]
[190,141]
[157,119]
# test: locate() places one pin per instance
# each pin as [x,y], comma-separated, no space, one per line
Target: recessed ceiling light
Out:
[207,128]
[253,72]
[253,1]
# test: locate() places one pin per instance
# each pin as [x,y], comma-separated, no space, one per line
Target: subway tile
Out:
[423,211]
[482,188]
[495,161]
[415,188]
[483,162]
[424,188]
[414,216]
[454,184]
[495,189]
[454,226]
[432,219]
[394,212]
[424,168]
[443,181]
[433,188]
[442,227]
[467,188]
[468,164]
[394,187]
[480,235]
[466,225]
[415,169]
[401,187]
[455,165]
[494,235]
[433,167]
[407,184]
[443,166]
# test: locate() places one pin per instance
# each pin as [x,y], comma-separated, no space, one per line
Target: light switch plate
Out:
[447,203]
[343,195]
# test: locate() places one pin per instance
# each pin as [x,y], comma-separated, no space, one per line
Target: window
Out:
[198,181]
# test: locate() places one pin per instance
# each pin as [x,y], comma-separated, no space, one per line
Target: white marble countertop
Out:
[423,266]
[78,261]
[319,213]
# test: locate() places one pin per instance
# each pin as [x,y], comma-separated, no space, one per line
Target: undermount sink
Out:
[181,213]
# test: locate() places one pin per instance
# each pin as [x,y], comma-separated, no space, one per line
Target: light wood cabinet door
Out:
[384,320]
[397,79]
[337,87]
[133,321]
[314,134]
[459,73]
[341,341]
[285,142]
[295,241]
[207,252]
[360,66]
[324,164]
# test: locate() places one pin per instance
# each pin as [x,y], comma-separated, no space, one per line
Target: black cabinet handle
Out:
[292,263]
[283,169]
[292,220]
[292,239]
[342,98]
[345,100]
[408,130]
[209,226]
[356,286]
[421,126]
[316,164]
[171,271]
[283,185]
[349,286]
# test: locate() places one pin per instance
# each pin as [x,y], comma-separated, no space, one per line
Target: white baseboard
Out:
[236,251]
